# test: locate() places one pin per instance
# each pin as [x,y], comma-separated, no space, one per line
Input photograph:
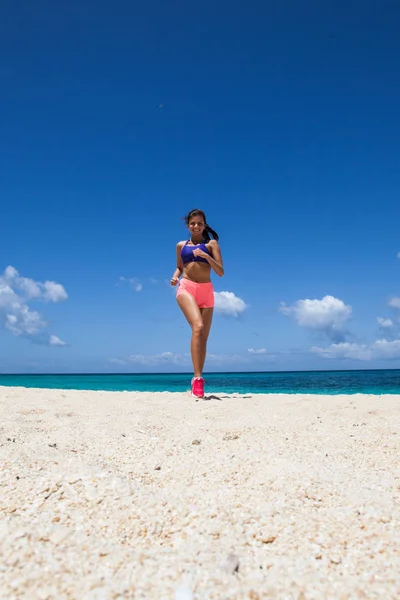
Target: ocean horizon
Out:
[368,381]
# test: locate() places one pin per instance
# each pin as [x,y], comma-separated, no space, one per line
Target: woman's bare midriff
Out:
[197,272]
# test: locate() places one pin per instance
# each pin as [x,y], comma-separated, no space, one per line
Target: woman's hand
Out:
[199,252]
[174,281]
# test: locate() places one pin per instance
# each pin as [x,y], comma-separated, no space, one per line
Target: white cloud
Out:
[7,295]
[164,359]
[49,290]
[10,273]
[23,320]
[344,350]
[226,303]
[388,329]
[327,315]
[117,361]
[151,359]
[381,349]
[55,341]
[134,282]
[395,302]
[385,323]
[29,287]
[259,351]
[18,318]
[54,292]
[387,349]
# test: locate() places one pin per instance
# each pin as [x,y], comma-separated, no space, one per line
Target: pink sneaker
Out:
[198,387]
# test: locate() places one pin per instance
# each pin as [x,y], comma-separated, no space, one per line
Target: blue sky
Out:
[279,119]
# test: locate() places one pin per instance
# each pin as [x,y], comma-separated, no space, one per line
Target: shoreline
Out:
[152,495]
[227,395]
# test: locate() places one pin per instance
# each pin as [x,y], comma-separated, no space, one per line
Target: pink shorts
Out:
[203,293]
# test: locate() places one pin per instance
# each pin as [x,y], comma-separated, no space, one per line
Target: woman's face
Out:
[196,225]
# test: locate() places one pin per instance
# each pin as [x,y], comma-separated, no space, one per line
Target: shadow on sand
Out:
[222,397]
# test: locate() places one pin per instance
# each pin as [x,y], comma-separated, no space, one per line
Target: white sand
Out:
[147,496]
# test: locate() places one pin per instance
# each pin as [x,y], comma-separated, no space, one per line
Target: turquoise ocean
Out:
[301,382]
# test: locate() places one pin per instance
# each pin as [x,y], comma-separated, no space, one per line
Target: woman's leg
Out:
[193,315]
[207,315]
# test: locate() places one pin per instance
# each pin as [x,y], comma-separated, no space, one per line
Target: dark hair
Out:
[208,230]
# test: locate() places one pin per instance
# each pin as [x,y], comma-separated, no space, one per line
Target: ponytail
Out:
[207,232]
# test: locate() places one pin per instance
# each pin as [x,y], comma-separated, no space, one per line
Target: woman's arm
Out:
[215,261]
[179,265]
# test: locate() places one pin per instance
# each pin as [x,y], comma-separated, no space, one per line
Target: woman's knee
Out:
[198,328]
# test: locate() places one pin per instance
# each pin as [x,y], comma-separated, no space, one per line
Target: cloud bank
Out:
[134,282]
[382,349]
[328,316]
[18,318]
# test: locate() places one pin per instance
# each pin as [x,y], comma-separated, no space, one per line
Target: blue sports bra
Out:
[187,253]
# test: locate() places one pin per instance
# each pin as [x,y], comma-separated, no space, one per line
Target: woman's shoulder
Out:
[213,244]
[180,244]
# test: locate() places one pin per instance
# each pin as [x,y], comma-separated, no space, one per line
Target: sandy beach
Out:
[154,495]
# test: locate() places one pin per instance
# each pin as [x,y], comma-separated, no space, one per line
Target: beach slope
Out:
[154,495]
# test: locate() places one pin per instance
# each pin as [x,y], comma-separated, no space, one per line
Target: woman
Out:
[195,259]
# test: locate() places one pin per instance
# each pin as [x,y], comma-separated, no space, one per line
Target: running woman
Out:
[195,295]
